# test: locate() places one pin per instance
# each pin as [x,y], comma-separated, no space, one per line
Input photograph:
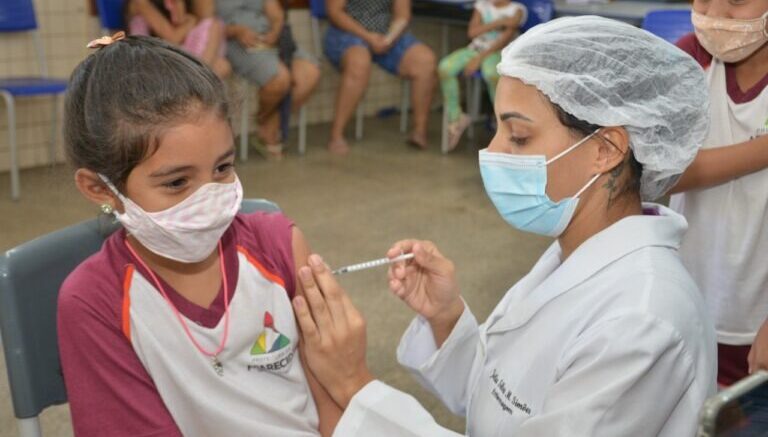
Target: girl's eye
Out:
[520,141]
[223,168]
[176,183]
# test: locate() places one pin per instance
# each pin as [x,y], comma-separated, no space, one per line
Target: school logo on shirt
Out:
[272,350]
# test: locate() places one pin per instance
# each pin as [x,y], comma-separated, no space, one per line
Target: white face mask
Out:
[189,231]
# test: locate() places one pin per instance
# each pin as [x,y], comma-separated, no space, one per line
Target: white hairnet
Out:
[610,73]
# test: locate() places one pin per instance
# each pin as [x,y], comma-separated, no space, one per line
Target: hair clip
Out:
[105,40]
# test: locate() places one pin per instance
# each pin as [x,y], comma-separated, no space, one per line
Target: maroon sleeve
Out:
[110,393]
[270,238]
[689,44]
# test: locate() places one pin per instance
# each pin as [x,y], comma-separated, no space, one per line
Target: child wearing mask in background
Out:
[493,25]
[724,193]
[172,21]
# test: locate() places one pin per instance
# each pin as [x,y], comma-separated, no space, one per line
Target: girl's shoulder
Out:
[267,238]
[97,283]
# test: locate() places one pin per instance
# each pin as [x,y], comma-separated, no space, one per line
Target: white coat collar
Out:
[550,278]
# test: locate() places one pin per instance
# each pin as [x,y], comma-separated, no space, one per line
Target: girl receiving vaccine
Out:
[182,323]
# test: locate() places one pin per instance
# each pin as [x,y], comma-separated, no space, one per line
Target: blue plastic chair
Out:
[30,277]
[539,11]
[111,14]
[19,16]
[670,25]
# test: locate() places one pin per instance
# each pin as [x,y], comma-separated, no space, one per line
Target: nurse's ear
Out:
[612,147]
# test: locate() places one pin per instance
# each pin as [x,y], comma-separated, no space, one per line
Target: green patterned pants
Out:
[452,66]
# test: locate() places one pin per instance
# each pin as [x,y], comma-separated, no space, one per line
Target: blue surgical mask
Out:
[517,186]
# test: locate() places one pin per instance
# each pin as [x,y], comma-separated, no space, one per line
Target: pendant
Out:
[217,366]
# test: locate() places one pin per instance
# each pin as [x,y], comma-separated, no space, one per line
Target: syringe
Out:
[370,264]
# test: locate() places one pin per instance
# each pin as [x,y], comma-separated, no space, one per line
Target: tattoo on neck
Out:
[612,185]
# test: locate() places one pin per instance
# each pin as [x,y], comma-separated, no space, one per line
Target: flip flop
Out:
[456,130]
[274,151]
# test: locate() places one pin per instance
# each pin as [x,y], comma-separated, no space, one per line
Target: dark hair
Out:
[124,95]
[581,128]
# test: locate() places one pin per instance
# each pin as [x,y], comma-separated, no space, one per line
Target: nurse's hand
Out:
[427,284]
[758,354]
[333,333]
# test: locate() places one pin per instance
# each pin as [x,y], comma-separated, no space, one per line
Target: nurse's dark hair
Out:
[580,129]
[123,96]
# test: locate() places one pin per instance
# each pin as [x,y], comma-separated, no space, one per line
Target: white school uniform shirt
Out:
[489,13]
[612,342]
[728,237]
[263,390]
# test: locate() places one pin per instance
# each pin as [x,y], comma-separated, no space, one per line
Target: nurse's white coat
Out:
[615,341]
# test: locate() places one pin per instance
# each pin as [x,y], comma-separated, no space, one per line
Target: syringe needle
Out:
[371,264]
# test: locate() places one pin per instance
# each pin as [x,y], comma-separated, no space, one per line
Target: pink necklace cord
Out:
[176,311]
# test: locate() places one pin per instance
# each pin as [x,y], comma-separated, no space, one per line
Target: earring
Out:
[107,209]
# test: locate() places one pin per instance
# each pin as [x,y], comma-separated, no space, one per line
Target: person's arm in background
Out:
[327,411]
[401,17]
[477,28]
[719,165]
[159,25]
[203,8]
[276,16]
[758,354]
[509,27]
[228,11]
[339,18]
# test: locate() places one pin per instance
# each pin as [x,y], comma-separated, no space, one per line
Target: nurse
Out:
[608,334]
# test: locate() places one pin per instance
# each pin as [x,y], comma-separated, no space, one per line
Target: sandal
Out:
[456,130]
[274,151]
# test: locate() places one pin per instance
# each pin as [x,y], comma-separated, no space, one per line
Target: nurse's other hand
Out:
[426,283]
[333,333]
[758,354]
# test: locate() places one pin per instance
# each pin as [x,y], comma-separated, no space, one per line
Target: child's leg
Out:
[490,75]
[448,69]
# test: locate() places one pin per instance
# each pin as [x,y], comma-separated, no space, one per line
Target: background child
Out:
[725,197]
[171,21]
[182,323]
[493,25]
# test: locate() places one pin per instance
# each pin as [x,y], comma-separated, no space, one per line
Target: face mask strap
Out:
[566,151]
[589,184]
[111,186]
[765,23]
